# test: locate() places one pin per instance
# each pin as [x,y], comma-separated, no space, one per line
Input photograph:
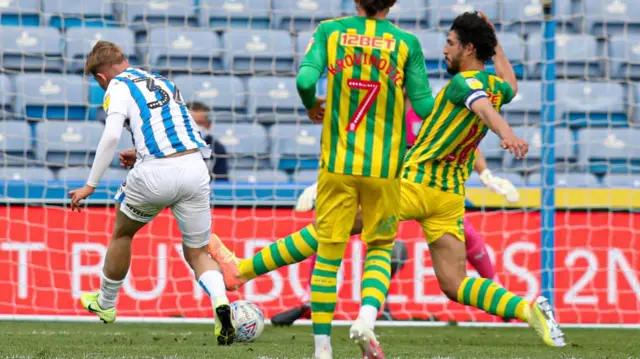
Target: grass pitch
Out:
[88,340]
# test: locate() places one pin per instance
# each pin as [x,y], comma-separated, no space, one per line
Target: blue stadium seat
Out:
[80,41]
[224,14]
[26,174]
[605,151]
[295,147]
[30,49]
[274,99]
[443,12]
[176,50]
[16,147]
[568,180]
[577,56]
[62,143]
[632,181]
[514,49]
[7,93]
[432,43]
[96,101]
[612,17]
[143,15]
[298,15]
[302,41]
[126,143]
[71,174]
[525,108]
[224,95]
[565,150]
[260,176]
[51,96]
[526,16]
[625,57]
[410,14]
[20,13]
[591,104]
[635,102]
[258,51]
[247,145]
[305,176]
[85,13]
[490,148]
[516,179]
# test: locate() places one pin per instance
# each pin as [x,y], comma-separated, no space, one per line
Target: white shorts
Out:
[180,183]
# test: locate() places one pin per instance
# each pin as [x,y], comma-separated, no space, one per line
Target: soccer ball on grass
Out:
[248,321]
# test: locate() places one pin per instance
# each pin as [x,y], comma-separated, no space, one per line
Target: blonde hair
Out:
[104,53]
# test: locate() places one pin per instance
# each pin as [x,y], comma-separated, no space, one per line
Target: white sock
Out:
[213,283]
[108,292]
[368,313]
[322,341]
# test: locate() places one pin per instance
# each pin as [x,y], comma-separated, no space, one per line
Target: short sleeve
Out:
[316,52]
[465,91]
[507,92]
[116,99]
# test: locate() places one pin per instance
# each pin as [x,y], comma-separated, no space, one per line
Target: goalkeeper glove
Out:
[307,199]
[500,186]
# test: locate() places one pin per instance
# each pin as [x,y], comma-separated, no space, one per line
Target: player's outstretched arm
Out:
[104,155]
[499,185]
[496,123]
[503,66]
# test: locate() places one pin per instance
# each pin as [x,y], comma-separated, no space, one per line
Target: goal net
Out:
[239,58]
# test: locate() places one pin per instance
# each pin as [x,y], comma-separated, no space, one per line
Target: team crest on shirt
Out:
[460,224]
[474,84]
[387,226]
[105,104]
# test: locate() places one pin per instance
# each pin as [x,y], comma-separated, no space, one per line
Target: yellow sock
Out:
[323,286]
[484,294]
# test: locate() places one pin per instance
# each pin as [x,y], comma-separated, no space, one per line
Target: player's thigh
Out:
[379,201]
[414,201]
[139,195]
[336,206]
[124,225]
[448,256]
[445,215]
[192,209]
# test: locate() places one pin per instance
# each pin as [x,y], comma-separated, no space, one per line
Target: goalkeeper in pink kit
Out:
[477,255]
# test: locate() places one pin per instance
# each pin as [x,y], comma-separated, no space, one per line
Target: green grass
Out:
[75,340]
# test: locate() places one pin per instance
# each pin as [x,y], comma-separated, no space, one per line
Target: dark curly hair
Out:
[372,7]
[472,29]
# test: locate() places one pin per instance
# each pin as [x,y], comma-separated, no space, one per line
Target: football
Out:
[248,320]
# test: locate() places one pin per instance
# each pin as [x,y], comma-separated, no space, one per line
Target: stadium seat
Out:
[84,13]
[7,94]
[16,147]
[565,150]
[514,49]
[30,49]
[567,180]
[274,99]
[96,101]
[516,179]
[247,145]
[80,41]
[224,95]
[260,176]
[302,41]
[305,176]
[224,14]
[443,12]
[525,108]
[612,17]
[20,13]
[410,14]
[62,144]
[253,51]
[144,15]
[26,174]
[71,174]
[577,56]
[591,104]
[606,151]
[51,96]
[632,181]
[295,147]
[625,57]
[126,143]
[176,50]
[490,148]
[432,43]
[635,102]
[526,16]
[298,15]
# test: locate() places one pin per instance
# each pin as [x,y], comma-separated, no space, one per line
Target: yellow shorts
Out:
[338,200]
[437,212]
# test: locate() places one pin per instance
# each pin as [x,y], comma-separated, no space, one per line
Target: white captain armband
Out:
[473,97]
